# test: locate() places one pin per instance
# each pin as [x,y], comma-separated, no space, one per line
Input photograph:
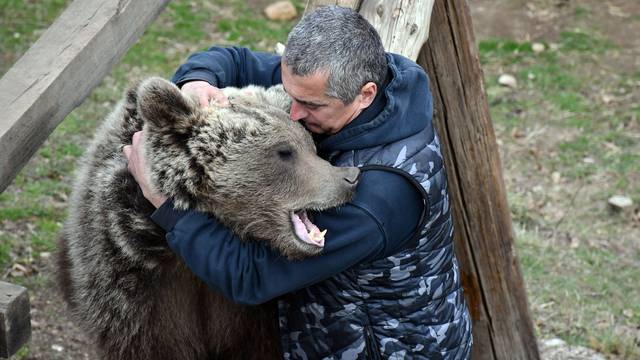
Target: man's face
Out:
[319,113]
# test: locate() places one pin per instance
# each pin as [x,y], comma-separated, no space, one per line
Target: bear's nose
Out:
[352,175]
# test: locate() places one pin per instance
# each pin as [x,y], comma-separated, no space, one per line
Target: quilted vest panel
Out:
[409,305]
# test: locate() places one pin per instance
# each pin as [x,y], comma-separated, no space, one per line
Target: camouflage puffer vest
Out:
[406,306]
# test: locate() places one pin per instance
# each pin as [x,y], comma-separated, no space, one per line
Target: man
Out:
[387,284]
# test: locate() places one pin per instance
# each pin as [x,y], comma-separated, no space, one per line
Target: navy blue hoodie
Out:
[380,220]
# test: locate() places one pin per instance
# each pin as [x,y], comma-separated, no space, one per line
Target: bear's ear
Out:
[161,103]
[276,96]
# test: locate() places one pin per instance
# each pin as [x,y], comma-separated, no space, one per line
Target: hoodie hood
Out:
[403,108]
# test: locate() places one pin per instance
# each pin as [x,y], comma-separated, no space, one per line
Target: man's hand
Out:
[137,165]
[205,92]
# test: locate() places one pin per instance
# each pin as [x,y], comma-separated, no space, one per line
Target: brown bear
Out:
[247,164]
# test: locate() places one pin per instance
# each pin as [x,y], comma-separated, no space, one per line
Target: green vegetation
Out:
[584,42]
[247,29]
[592,288]
[564,121]
[22,22]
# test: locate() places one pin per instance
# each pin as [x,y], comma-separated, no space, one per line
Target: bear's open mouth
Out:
[305,230]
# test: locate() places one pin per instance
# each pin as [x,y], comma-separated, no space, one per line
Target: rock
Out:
[19,270]
[553,343]
[537,47]
[616,11]
[508,80]
[570,353]
[57,348]
[607,99]
[620,202]
[279,48]
[281,10]
[557,349]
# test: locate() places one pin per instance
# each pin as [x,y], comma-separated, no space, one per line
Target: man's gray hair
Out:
[340,41]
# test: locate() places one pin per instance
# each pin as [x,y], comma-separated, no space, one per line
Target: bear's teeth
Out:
[316,235]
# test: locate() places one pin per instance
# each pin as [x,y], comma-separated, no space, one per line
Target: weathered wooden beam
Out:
[61,69]
[483,231]
[15,318]
[403,25]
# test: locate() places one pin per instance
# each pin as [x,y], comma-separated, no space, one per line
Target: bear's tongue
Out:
[306,230]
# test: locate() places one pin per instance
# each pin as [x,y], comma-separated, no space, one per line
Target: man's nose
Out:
[298,111]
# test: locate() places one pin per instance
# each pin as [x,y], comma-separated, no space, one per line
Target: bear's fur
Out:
[247,164]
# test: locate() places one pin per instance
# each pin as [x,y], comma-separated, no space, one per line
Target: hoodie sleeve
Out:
[222,67]
[383,215]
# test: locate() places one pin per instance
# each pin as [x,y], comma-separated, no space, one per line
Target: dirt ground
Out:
[55,337]
[543,20]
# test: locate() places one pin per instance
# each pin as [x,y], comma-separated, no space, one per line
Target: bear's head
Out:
[247,163]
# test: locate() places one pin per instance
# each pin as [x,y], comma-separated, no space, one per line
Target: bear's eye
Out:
[285,154]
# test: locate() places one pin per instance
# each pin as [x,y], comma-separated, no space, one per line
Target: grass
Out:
[592,280]
[247,29]
[22,23]
[568,102]
[579,40]
[580,261]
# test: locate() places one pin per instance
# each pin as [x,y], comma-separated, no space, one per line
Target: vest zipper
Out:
[373,352]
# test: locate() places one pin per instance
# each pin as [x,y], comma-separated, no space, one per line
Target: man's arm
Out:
[206,72]
[383,215]
[222,67]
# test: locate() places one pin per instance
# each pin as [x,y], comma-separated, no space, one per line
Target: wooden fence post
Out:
[15,318]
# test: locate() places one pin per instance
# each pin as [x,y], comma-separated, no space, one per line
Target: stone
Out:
[281,10]
[279,48]
[620,202]
[508,80]
[537,47]
[553,342]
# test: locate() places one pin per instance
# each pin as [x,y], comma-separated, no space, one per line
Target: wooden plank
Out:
[61,69]
[403,25]
[15,318]
[483,232]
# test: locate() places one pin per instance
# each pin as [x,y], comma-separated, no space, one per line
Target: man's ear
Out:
[162,104]
[367,94]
